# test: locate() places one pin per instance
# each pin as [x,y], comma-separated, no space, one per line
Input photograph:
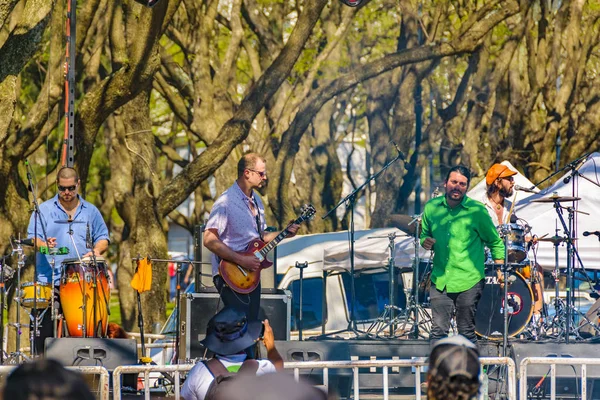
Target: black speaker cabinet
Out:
[198,308]
[568,378]
[108,353]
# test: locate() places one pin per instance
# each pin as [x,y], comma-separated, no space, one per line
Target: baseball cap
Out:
[455,356]
[498,171]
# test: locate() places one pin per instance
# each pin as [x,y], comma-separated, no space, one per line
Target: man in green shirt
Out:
[457,228]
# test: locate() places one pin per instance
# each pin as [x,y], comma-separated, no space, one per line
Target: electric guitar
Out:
[242,280]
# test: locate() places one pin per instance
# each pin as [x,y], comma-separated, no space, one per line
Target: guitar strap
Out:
[257,216]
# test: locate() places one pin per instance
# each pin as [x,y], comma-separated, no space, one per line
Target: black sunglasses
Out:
[69,188]
[261,173]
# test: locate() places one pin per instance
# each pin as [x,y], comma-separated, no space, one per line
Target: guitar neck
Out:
[273,243]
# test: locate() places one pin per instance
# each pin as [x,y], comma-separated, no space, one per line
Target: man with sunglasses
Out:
[237,218]
[66,221]
[500,184]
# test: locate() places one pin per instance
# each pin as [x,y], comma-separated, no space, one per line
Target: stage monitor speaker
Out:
[108,353]
[568,378]
[198,308]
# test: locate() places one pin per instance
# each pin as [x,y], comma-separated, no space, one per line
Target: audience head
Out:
[45,379]
[453,370]
[229,332]
[116,331]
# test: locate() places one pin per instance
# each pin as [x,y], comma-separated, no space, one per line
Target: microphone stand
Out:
[36,210]
[573,165]
[351,200]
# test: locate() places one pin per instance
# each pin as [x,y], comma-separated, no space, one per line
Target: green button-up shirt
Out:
[461,234]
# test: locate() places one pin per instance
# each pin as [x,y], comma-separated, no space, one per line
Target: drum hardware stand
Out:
[413,309]
[301,267]
[350,202]
[4,272]
[17,356]
[388,318]
[572,253]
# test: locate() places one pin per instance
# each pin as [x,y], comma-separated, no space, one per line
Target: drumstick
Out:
[512,208]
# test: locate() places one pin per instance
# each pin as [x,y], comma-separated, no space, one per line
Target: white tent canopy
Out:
[372,251]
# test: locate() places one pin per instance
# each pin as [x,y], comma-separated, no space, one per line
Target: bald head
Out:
[67,173]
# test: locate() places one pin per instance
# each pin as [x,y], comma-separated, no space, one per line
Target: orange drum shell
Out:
[525,271]
[72,287]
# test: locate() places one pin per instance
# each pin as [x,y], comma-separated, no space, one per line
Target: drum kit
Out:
[518,297]
[78,304]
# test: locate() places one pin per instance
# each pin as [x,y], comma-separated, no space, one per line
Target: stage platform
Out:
[402,380]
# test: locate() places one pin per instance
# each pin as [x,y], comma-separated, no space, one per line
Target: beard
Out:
[506,192]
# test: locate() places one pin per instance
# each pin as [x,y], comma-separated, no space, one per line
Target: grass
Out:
[115,310]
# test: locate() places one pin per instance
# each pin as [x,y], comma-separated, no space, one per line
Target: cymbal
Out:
[554,239]
[68,221]
[554,198]
[402,221]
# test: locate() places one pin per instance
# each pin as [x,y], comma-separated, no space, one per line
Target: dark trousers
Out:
[249,303]
[443,304]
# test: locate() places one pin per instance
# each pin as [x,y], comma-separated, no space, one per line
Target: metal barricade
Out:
[553,362]
[146,370]
[418,364]
[95,370]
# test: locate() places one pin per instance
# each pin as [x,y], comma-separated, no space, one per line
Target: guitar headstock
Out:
[307,212]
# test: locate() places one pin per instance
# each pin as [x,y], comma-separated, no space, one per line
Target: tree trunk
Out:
[133,158]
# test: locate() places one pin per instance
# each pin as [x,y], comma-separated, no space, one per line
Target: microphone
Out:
[586,233]
[400,154]
[524,189]
[88,238]
[576,169]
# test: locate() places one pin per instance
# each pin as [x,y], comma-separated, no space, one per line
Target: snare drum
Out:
[77,281]
[44,294]
[489,317]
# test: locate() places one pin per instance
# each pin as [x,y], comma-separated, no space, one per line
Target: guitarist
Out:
[237,218]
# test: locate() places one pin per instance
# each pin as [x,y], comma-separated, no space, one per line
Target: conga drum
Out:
[84,286]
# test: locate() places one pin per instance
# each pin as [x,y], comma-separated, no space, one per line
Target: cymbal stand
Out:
[414,311]
[17,356]
[387,318]
[3,273]
[572,253]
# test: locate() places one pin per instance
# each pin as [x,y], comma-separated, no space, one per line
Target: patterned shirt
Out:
[53,218]
[232,218]
[460,233]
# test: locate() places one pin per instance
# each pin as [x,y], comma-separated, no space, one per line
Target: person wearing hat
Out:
[453,370]
[457,228]
[228,334]
[499,187]
[500,182]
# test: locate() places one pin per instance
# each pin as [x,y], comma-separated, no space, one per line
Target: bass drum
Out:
[77,284]
[489,318]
